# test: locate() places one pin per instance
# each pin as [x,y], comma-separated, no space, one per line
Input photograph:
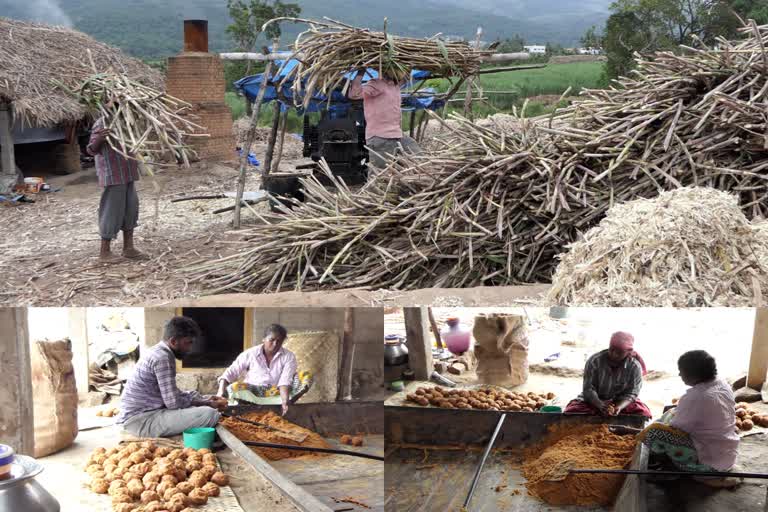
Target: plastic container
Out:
[456,338]
[551,408]
[7,457]
[199,438]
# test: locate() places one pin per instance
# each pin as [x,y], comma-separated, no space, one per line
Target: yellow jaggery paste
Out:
[589,447]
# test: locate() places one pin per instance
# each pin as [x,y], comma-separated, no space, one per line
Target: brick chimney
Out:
[197,77]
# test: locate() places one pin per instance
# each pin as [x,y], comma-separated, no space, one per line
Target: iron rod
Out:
[483,459]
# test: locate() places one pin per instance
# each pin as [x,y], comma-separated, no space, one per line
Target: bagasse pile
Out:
[144,477]
[329,49]
[687,247]
[590,447]
[497,208]
[248,432]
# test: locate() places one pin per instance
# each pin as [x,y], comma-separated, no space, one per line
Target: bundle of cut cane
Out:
[495,208]
[144,124]
[329,49]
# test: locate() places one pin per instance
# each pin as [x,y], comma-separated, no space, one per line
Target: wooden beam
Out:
[249,139]
[280,141]
[435,328]
[272,139]
[270,57]
[301,499]
[7,156]
[78,334]
[418,340]
[16,421]
[758,360]
[471,82]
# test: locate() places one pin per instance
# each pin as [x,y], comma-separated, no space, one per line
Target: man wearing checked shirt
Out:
[119,206]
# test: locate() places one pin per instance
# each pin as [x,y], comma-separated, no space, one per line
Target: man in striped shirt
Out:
[152,405]
[119,206]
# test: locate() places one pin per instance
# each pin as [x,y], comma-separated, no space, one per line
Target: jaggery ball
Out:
[193,465]
[162,451]
[209,459]
[345,439]
[208,471]
[135,488]
[149,497]
[121,496]
[185,487]
[164,486]
[197,497]
[155,506]
[116,485]
[124,507]
[221,479]
[747,425]
[99,486]
[356,441]
[211,489]
[151,477]
[198,479]
[170,478]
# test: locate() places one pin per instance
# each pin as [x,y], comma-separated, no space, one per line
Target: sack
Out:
[501,349]
[54,396]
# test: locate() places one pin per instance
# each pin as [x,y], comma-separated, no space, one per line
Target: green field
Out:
[552,80]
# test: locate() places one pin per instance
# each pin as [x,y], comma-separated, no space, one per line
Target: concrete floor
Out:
[65,479]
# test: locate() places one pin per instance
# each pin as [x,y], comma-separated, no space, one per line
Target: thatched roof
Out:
[33,56]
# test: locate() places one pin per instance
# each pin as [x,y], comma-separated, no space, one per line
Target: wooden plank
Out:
[418,341]
[16,420]
[78,334]
[301,499]
[758,360]
[7,156]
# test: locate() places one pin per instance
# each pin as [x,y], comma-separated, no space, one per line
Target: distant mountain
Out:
[153,28]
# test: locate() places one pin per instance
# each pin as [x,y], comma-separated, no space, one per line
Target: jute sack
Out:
[501,349]
[54,395]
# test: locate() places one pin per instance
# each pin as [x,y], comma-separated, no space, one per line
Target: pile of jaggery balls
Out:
[144,477]
[482,399]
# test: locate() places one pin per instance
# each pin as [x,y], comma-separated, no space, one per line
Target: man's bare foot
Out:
[133,254]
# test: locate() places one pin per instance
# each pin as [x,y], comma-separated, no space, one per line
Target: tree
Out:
[647,26]
[591,39]
[247,20]
[512,44]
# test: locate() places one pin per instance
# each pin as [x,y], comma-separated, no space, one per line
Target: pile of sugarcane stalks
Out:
[329,49]
[144,124]
[494,208]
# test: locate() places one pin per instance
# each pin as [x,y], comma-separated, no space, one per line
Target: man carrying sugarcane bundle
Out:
[383,120]
[119,206]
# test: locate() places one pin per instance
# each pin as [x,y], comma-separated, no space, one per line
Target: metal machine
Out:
[340,140]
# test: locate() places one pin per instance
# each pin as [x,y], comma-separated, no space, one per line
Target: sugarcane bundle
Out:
[329,49]
[144,124]
[490,208]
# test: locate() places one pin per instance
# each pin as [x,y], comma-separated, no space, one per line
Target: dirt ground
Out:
[48,249]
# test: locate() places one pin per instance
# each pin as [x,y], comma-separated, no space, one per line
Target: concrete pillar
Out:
[78,334]
[7,156]
[154,322]
[758,360]
[16,411]
[419,342]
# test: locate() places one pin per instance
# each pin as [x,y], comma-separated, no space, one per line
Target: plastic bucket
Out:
[551,408]
[199,438]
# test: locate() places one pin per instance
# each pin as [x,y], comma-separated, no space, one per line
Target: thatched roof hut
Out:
[34,56]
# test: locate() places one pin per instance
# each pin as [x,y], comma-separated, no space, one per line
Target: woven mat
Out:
[226,501]
[317,352]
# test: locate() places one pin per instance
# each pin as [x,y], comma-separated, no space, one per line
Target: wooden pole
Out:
[249,138]
[758,360]
[280,141]
[412,122]
[418,340]
[7,156]
[347,356]
[268,57]
[16,418]
[435,328]
[272,139]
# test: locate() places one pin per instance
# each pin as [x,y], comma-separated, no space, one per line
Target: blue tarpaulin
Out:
[339,103]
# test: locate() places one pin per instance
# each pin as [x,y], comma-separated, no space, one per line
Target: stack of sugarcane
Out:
[329,49]
[144,124]
[497,208]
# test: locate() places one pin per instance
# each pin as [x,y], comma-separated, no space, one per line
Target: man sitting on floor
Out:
[152,405]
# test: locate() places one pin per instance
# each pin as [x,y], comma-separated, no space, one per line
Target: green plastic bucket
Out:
[551,408]
[199,438]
